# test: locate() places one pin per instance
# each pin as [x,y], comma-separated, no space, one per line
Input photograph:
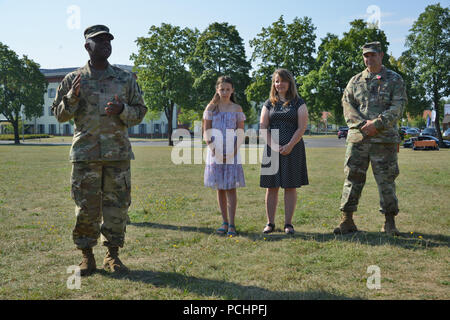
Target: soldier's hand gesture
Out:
[115,107]
[369,128]
[76,85]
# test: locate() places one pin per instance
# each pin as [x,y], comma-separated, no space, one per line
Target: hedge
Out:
[27,136]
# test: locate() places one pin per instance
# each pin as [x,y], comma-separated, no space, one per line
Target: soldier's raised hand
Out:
[115,107]
[76,85]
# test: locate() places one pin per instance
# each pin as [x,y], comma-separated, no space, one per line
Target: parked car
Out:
[410,142]
[429,132]
[446,133]
[342,133]
[412,132]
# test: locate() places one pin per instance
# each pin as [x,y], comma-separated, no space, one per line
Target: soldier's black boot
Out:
[87,265]
[389,225]
[347,224]
[112,262]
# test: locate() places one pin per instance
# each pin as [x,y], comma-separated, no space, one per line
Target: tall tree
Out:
[428,52]
[220,51]
[161,65]
[22,88]
[417,98]
[338,60]
[281,45]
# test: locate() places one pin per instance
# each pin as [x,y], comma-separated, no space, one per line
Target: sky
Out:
[51,31]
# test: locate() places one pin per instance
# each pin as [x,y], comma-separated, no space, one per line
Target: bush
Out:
[27,136]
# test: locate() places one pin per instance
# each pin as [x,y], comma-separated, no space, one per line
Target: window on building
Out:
[142,128]
[50,112]
[51,93]
[157,128]
[67,130]
[41,128]
[52,128]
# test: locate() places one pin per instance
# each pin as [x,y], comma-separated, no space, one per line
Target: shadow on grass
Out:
[405,240]
[219,289]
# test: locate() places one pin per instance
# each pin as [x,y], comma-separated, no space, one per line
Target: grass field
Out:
[174,253]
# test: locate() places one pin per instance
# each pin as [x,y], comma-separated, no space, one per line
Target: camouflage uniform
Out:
[380,97]
[101,151]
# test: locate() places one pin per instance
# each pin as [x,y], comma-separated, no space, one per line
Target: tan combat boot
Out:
[347,225]
[112,262]
[389,225]
[87,265]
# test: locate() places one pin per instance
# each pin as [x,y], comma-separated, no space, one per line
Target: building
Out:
[48,124]
[446,120]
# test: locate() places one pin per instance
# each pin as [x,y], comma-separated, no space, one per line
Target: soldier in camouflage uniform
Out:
[373,102]
[104,101]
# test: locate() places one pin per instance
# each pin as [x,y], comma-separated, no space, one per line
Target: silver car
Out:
[446,133]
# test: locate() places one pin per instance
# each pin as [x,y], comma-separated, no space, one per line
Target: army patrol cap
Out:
[372,47]
[96,30]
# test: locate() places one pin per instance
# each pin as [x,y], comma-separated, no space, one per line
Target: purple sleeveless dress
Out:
[219,175]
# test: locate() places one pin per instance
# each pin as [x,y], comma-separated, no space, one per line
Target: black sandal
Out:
[271,226]
[290,226]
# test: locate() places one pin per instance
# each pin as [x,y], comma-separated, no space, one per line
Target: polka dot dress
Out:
[292,171]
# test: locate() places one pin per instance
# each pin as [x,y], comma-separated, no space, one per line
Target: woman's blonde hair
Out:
[215,100]
[291,94]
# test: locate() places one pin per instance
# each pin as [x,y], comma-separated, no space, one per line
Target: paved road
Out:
[329,142]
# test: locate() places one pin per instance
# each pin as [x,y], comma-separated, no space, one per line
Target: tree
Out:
[338,60]
[189,116]
[290,46]
[429,57]
[417,98]
[219,51]
[22,88]
[161,65]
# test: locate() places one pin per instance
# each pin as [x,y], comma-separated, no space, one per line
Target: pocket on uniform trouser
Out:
[385,169]
[86,181]
[75,182]
[116,185]
[128,188]
[116,200]
[384,162]
[86,193]
[356,163]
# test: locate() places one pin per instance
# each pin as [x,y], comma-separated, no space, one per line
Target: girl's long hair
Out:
[291,94]
[215,100]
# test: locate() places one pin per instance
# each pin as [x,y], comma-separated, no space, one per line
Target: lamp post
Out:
[23,124]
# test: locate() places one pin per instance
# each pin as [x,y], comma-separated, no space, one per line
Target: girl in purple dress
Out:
[224,133]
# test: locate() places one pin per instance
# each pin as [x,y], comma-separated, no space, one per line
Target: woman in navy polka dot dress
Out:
[283,122]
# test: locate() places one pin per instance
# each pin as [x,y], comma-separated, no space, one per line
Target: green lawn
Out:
[173,252]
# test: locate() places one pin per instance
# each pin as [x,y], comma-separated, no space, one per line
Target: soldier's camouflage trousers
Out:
[102,194]
[383,159]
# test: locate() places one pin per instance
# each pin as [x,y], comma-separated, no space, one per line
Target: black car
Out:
[429,132]
[412,132]
[342,133]
[409,143]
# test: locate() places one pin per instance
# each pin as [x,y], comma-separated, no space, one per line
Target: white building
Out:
[48,124]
